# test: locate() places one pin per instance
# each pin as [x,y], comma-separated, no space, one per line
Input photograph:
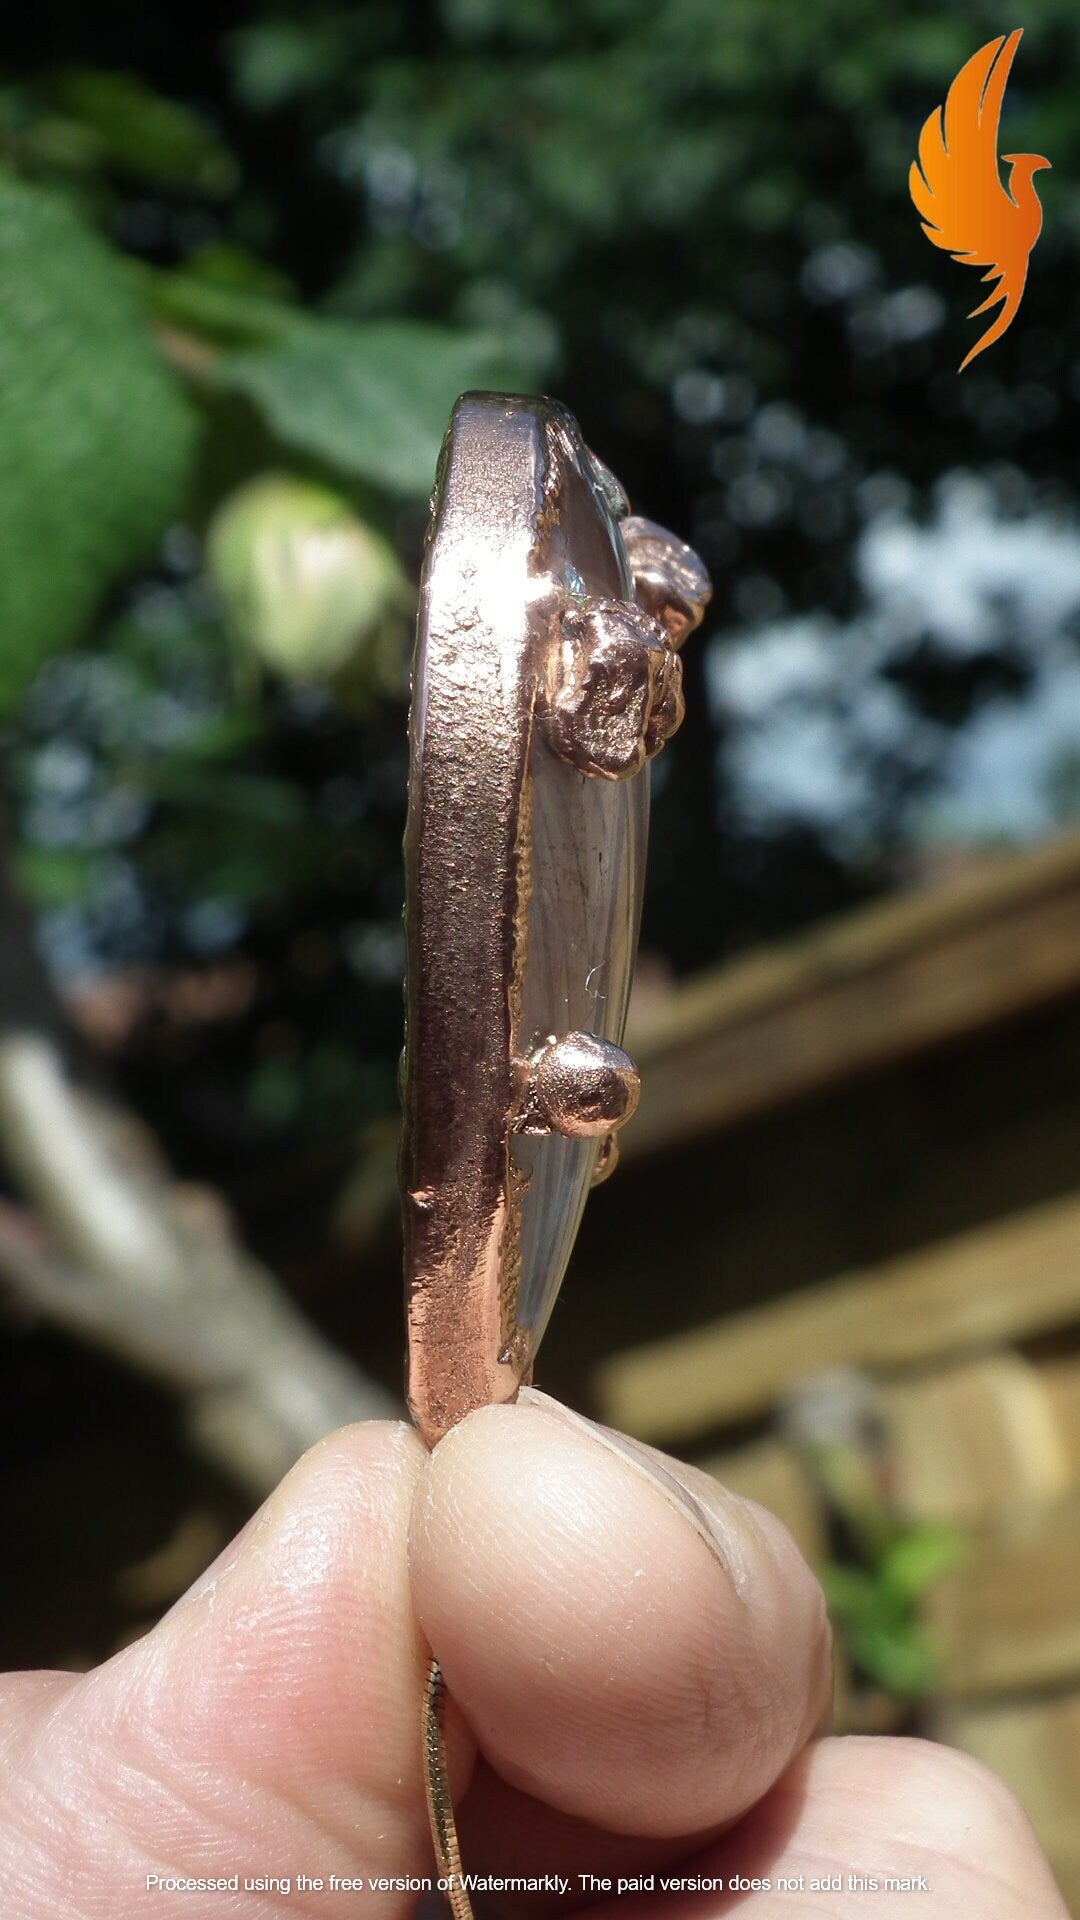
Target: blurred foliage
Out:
[875,1592]
[130,127]
[252,243]
[876,1610]
[369,401]
[97,434]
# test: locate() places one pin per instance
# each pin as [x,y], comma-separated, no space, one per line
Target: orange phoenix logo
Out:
[957,188]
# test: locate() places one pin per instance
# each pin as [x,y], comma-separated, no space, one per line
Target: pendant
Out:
[546,677]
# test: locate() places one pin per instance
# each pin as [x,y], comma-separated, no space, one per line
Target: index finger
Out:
[629,1643]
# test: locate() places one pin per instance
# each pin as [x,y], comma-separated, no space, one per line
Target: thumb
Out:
[267,1727]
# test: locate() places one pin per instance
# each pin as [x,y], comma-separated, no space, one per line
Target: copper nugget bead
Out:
[669,580]
[581,1086]
[613,692]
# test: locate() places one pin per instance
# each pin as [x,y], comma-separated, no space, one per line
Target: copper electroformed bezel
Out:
[506,651]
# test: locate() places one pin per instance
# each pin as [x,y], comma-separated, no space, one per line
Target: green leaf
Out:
[854,1596]
[278,61]
[372,399]
[220,263]
[141,132]
[97,436]
[228,316]
[919,1558]
[897,1654]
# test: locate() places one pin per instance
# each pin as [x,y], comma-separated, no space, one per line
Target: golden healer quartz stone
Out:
[546,676]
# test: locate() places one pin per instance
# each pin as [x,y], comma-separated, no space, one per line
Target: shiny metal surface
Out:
[541,687]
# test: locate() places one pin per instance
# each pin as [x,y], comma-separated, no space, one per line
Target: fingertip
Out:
[298,1652]
[631,1645]
[274,1714]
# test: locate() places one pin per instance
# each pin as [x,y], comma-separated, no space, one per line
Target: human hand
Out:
[637,1663]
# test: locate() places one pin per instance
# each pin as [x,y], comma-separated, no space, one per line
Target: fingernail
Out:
[715,1524]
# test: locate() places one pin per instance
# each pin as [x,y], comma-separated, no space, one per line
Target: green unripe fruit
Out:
[308,588]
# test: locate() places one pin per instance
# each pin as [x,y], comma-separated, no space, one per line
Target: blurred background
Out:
[249,255]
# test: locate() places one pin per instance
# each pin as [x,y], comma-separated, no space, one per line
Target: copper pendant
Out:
[546,676]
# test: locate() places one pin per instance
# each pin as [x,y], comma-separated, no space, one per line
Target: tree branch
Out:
[146,1267]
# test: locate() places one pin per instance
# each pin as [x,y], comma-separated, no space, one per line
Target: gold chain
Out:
[440,1804]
